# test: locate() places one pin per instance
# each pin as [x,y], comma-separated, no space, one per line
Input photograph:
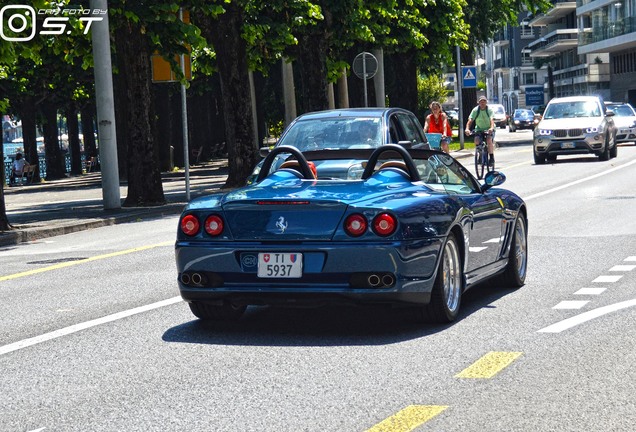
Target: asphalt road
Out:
[93,336]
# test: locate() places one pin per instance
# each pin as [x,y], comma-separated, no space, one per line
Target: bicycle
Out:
[482,161]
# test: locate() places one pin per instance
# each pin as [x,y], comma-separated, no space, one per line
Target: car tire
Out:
[448,287]
[514,276]
[224,312]
[605,154]
[539,159]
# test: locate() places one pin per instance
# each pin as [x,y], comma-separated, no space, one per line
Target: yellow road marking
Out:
[489,365]
[408,419]
[72,263]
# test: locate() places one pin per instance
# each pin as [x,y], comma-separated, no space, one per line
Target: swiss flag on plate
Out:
[266,257]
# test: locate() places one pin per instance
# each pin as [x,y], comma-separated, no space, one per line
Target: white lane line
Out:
[606,279]
[477,248]
[571,304]
[586,316]
[590,291]
[493,240]
[85,325]
[631,258]
[624,268]
[567,185]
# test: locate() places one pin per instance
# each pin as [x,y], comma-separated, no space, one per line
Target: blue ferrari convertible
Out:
[415,230]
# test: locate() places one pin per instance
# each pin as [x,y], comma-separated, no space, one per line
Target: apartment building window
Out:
[525,31]
[529,78]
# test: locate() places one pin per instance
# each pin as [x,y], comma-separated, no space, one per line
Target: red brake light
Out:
[190,225]
[384,224]
[213,225]
[355,225]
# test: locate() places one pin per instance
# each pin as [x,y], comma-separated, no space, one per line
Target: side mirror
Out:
[609,113]
[492,179]
[263,151]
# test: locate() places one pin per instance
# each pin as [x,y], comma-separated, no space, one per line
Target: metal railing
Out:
[8,165]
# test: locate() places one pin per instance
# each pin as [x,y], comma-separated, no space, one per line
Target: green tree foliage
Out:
[429,88]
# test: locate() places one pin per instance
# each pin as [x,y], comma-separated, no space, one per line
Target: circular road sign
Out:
[365,65]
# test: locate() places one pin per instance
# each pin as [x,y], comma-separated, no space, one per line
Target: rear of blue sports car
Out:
[296,242]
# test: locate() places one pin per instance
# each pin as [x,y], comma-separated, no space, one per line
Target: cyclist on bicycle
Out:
[482,116]
[437,122]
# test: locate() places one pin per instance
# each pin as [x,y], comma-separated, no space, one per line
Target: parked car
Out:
[625,120]
[453,117]
[499,115]
[348,129]
[415,230]
[575,125]
[522,119]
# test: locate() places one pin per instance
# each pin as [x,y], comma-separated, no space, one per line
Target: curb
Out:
[23,234]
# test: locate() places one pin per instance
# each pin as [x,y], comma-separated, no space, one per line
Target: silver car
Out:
[575,125]
[625,120]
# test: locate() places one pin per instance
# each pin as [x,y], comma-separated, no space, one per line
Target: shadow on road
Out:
[323,326]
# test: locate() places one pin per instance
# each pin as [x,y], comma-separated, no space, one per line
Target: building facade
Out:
[610,27]
[511,76]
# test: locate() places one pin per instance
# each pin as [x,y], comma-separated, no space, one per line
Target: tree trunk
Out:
[404,93]
[225,33]
[4,220]
[74,141]
[312,62]
[144,177]
[29,135]
[469,95]
[55,161]
[88,131]
[164,124]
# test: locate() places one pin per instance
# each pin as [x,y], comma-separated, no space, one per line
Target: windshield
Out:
[524,114]
[334,133]
[572,109]
[622,110]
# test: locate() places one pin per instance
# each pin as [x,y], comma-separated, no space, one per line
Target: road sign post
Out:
[365,66]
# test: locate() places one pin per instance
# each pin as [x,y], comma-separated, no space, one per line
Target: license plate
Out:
[625,131]
[280,265]
[567,145]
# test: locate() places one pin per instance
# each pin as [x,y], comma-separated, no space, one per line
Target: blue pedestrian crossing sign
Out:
[469,76]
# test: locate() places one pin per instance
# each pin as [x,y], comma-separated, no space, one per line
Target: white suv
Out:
[499,115]
[575,125]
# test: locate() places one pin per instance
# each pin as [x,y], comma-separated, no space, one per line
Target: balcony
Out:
[554,43]
[615,36]
[561,8]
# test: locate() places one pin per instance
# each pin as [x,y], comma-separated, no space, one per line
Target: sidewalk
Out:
[75,203]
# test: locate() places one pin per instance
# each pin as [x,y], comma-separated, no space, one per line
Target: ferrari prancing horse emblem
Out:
[281,224]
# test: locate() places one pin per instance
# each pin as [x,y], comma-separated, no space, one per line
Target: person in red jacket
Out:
[437,122]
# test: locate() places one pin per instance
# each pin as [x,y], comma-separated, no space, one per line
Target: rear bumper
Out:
[337,273]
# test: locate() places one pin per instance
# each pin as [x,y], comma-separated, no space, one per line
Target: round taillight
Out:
[384,224]
[190,225]
[213,225]
[355,225]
